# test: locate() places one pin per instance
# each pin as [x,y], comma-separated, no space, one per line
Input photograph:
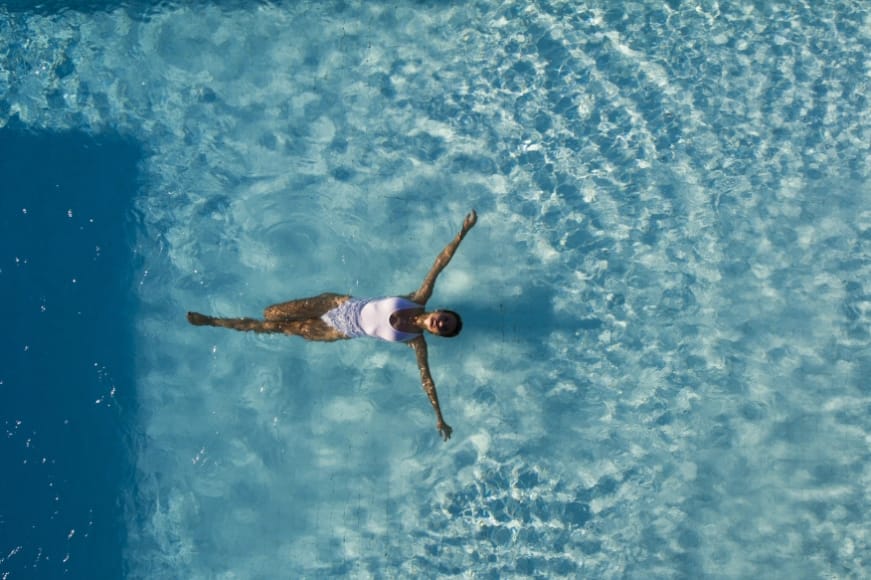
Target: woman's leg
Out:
[244,324]
[312,329]
[305,308]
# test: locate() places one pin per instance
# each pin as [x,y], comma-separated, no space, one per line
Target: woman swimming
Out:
[330,317]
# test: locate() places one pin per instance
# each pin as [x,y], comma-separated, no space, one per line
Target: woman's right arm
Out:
[425,291]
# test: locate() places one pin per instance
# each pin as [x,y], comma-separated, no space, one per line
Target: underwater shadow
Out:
[529,317]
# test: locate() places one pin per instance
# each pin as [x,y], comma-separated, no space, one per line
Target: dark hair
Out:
[457,328]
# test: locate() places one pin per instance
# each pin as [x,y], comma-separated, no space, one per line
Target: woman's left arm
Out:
[420,350]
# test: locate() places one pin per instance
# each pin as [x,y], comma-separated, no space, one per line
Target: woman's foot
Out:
[198,319]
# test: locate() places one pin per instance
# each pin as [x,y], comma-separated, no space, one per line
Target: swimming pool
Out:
[664,367]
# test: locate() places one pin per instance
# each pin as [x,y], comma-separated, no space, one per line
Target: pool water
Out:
[67,354]
[664,369]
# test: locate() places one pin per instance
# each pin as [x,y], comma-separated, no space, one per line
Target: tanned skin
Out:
[303,318]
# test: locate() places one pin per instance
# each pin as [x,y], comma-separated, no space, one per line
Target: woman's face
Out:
[439,322]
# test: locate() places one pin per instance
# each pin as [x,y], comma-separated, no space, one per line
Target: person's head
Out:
[446,323]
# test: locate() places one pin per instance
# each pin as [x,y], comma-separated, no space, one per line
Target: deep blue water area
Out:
[66,356]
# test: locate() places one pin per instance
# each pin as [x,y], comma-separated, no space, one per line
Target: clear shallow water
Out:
[665,365]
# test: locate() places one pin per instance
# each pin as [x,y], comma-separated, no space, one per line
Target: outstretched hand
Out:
[445,430]
[470,221]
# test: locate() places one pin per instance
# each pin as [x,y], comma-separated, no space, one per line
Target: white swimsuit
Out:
[370,317]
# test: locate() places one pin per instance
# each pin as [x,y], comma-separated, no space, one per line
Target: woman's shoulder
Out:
[404,302]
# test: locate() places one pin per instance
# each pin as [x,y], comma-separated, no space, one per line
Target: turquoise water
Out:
[664,368]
